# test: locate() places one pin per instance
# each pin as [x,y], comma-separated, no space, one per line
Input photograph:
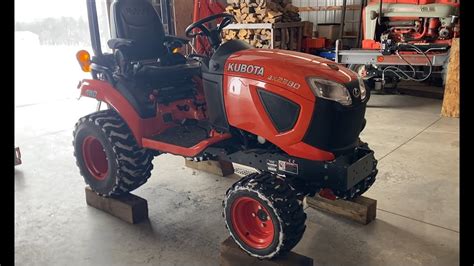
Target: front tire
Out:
[108,156]
[263,215]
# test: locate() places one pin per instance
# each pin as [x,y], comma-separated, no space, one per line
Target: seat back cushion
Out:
[137,20]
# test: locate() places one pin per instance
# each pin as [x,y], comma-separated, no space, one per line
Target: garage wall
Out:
[352,20]
[330,16]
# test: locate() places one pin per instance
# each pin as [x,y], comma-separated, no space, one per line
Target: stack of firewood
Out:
[259,11]
[263,11]
[259,38]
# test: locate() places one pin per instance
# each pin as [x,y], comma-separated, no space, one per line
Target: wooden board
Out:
[233,255]
[452,87]
[129,208]
[220,168]
[183,12]
[361,209]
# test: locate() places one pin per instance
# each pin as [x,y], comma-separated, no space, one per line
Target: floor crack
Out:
[410,139]
[420,221]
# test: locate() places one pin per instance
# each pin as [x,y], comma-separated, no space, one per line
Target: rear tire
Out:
[263,215]
[108,156]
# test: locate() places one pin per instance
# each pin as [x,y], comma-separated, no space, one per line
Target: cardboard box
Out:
[329,31]
[308,29]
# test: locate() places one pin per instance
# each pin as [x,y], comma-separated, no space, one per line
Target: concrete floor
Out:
[417,192]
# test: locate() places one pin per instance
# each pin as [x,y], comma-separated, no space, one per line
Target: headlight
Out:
[330,90]
[363,90]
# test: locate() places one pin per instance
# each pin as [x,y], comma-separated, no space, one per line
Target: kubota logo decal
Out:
[244,68]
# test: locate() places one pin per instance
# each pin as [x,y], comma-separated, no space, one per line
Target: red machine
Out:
[410,21]
[294,117]
[310,44]
[404,40]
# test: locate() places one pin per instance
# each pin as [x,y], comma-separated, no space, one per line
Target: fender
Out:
[103,91]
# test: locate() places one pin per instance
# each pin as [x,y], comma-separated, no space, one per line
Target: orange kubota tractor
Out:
[294,117]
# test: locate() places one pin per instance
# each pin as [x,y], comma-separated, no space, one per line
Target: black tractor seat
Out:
[155,72]
[146,59]
[140,45]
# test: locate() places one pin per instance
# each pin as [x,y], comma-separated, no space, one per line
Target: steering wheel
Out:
[213,35]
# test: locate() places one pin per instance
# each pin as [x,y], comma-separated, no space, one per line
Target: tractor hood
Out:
[286,69]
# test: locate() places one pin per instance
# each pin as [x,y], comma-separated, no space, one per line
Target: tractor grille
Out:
[335,128]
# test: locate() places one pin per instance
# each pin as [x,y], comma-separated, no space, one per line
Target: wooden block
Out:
[243,33]
[452,86]
[129,208]
[220,168]
[231,34]
[233,255]
[273,14]
[361,209]
[17,156]
[251,18]
[261,11]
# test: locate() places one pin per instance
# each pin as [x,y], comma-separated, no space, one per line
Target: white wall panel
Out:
[331,16]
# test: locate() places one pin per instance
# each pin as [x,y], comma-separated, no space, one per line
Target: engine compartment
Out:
[435,23]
